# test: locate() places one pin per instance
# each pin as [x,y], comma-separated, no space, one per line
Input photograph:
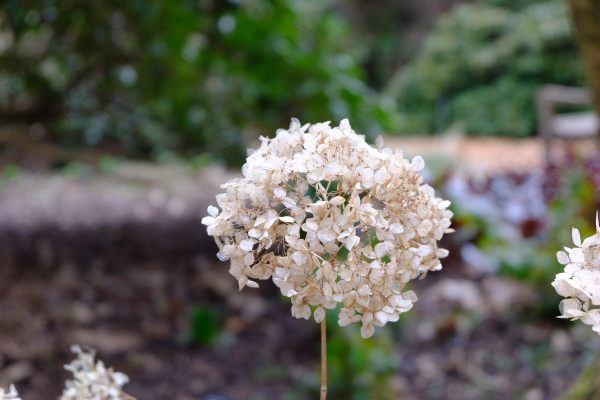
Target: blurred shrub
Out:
[515,223]
[481,66]
[390,31]
[181,76]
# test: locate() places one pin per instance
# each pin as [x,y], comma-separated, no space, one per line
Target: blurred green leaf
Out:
[204,326]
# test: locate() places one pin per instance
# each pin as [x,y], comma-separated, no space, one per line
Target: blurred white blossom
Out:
[10,394]
[331,220]
[580,281]
[92,380]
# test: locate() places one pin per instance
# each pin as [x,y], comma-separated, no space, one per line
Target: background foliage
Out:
[155,78]
[514,223]
[482,65]
[161,76]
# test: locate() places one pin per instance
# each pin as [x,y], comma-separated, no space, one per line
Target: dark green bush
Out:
[482,65]
[156,76]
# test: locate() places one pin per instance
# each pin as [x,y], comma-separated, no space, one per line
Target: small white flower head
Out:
[10,394]
[92,380]
[579,283]
[331,220]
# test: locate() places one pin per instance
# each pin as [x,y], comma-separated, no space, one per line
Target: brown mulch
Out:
[135,211]
[137,317]
[466,339]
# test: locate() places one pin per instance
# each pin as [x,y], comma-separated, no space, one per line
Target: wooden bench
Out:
[576,125]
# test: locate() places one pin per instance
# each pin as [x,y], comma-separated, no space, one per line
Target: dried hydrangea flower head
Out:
[10,394]
[331,220]
[92,380]
[580,281]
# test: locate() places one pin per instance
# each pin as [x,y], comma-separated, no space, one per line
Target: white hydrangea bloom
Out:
[92,379]
[331,219]
[580,281]
[10,394]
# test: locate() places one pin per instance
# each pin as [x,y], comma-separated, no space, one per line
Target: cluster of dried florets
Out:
[92,380]
[580,281]
[10,394]
[331,220]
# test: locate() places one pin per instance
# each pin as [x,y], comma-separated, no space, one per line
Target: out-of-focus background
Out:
[118,121]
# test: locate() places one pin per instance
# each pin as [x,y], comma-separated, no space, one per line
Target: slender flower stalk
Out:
[324,359]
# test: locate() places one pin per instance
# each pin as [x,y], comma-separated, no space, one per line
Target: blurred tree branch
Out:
[586,19]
